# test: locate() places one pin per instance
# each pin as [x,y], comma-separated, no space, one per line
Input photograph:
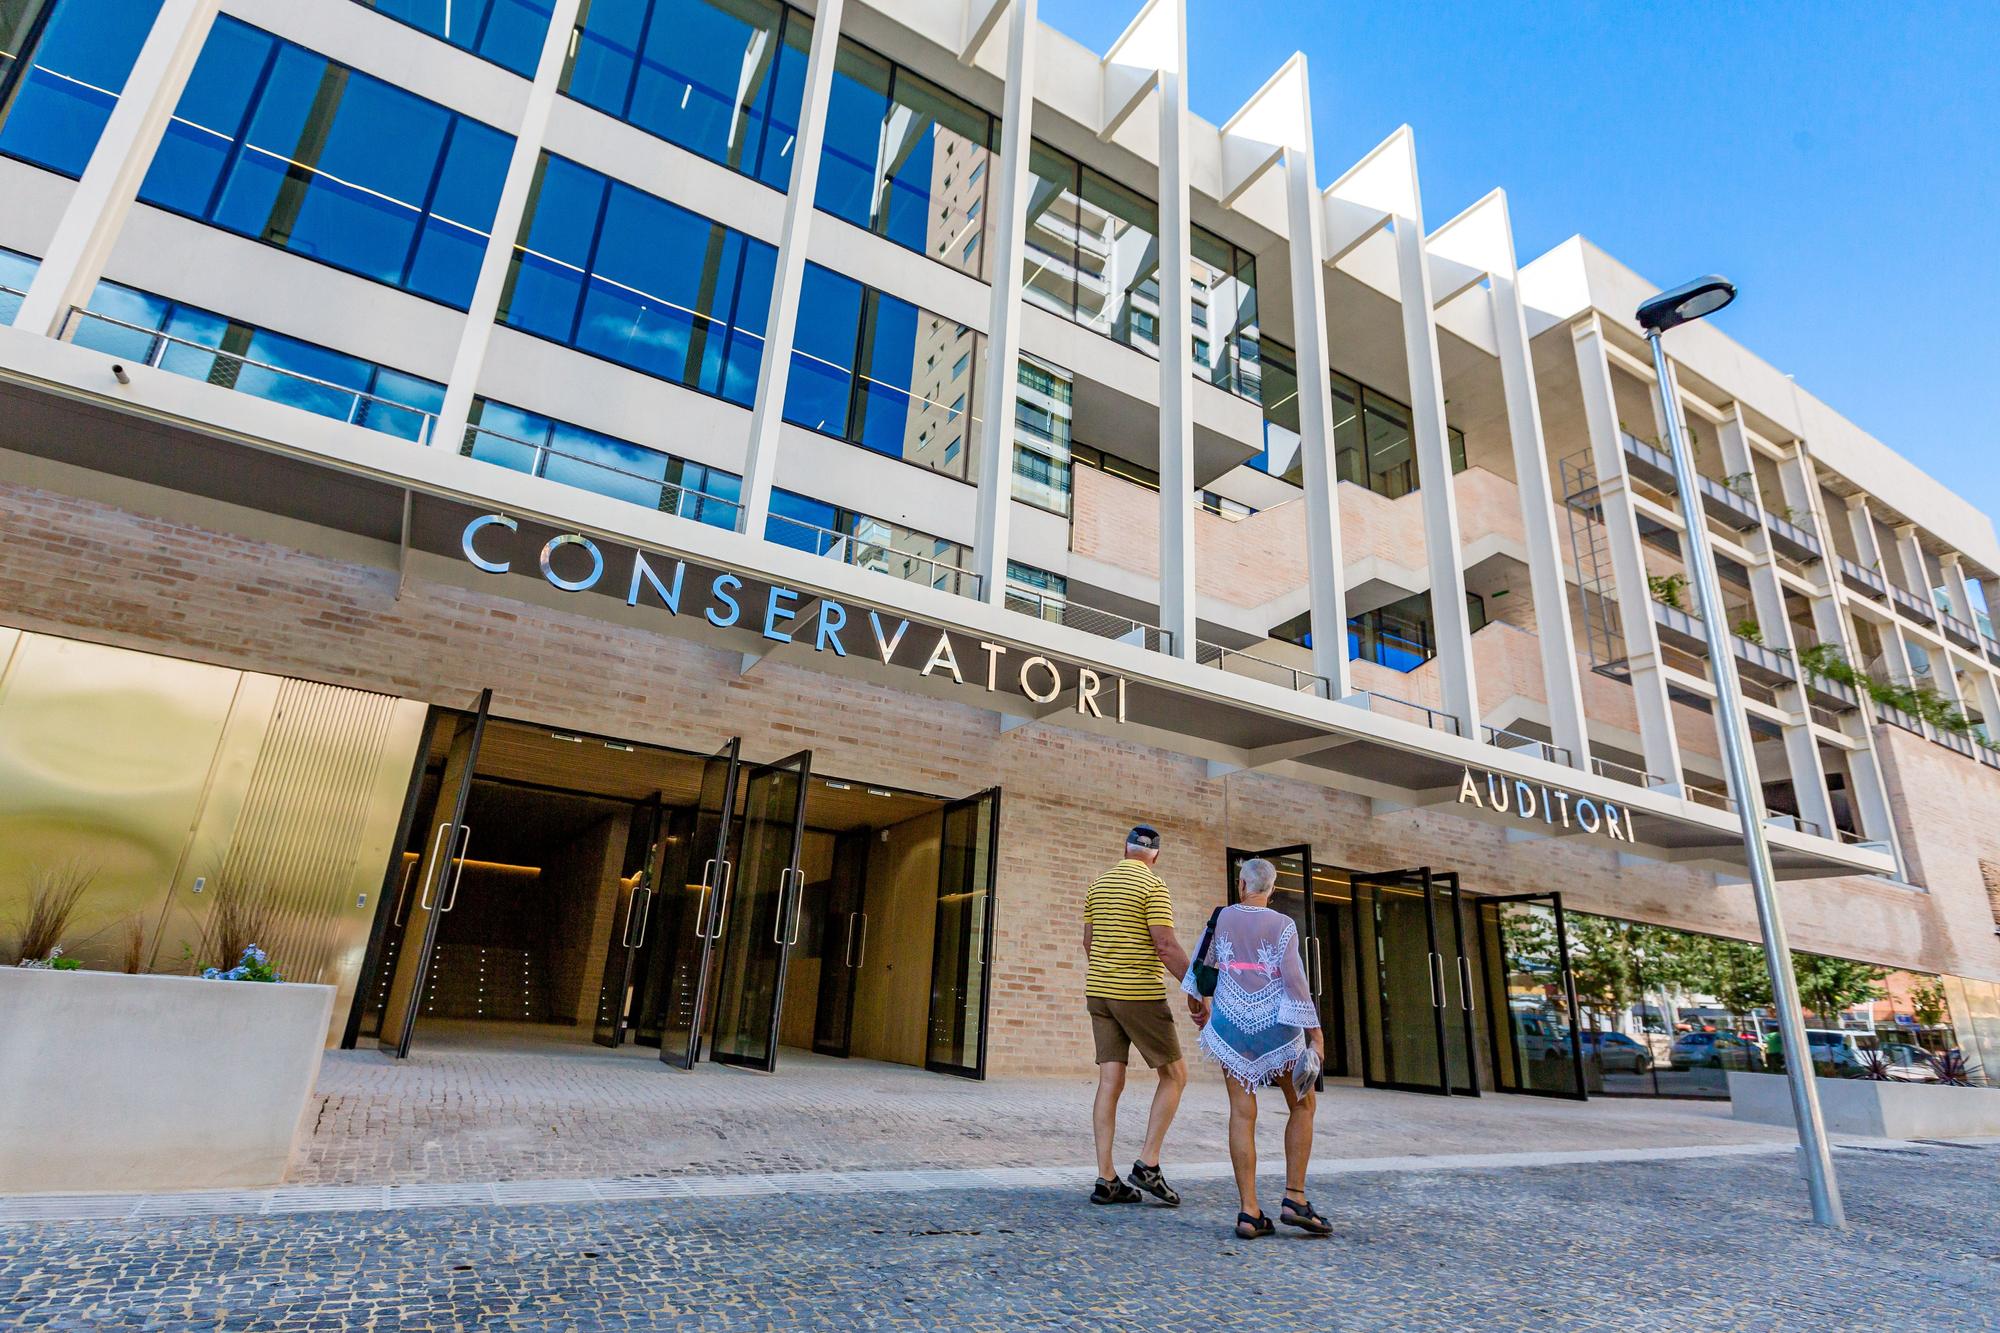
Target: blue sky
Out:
[1831,157]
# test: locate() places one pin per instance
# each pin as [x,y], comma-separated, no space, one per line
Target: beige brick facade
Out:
[88,570]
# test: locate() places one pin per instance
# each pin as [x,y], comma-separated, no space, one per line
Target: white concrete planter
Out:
[116,1083]
[1878,1110]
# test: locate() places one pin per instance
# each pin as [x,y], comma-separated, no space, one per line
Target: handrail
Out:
[360,404]
[1295,679]
[1432,717]
[1514,740]
[1617,772]
[1057,610]
[850,549]
[682,503]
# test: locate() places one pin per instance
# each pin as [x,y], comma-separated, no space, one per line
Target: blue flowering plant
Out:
[255,965]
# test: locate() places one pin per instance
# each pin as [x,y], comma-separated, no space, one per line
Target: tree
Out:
[1827,986]
[1927,1002]
[1730,970]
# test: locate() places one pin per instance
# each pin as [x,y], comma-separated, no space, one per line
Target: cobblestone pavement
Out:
[468,1110]
[1707,1243]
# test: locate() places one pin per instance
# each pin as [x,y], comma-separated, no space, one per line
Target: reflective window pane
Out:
[592,461]
[77,55]
[507,32]
[280,144]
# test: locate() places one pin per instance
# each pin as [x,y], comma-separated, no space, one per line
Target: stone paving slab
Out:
[1717,1242]
[469,1111]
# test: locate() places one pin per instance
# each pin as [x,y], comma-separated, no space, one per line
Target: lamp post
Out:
[1668,310]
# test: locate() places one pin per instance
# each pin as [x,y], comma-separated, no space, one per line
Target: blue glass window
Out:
[62,66]
[879,372]
[206,346]
[905,159]
[819,528]
[722,78]
[277,143]
[592,461]
[639,281]
[507,32]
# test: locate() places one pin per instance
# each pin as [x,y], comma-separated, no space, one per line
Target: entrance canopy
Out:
[203,454]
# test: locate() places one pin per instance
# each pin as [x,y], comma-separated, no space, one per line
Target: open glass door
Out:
[1455,946]
[1294,897]
[433,884]
[761,926]
[692,912]
[843,944]
[1399,976]
[1531,1009]
[962,943]
[617,999]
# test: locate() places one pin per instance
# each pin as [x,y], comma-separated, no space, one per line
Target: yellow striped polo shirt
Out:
[1121,906]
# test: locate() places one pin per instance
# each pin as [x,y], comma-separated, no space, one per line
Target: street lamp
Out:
[1683,305]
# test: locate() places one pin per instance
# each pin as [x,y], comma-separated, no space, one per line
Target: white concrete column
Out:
[1957,589]
[1861,522]
[477,335]
[774,368]
[1177,557]
[1628,562]
[1324,572]
[1482,238]
[1767,596]
[1910,555]
[104,195]
[1010,187]
[1439,498]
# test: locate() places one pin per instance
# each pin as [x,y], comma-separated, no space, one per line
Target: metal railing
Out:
[1866,579]
[1960,631]
[1514,740]
[1104,624]
[1897,717]
[1713,797]
[10,302]
[1917,607]
[1727,506]
[1617,772]
[880,557]
[230,370]
[546,461]
[1793,539]
[1436,719]
[1795,823]
[1295,679]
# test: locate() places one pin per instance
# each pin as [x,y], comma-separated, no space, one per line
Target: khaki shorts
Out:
[1119,1025]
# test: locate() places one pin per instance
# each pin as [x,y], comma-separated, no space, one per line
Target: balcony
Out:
[882,557]
[1896,717]
[1863,580]
[1648,464]
[1389,705]
[1240,663]
[1913,606]
[1727,507]
[1958,631]
[1515,741]
[1992,647]
[1790,540]
[1104,624]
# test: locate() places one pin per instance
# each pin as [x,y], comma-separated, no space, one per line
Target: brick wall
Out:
[77,567]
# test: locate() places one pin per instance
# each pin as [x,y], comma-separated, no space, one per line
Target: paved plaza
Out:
[1713,1241]
[558,1187]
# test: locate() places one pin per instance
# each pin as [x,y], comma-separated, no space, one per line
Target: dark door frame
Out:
[1493,1028]
[984,963]
[785,927]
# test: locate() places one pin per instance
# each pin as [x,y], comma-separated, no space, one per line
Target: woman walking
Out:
[1263,1027]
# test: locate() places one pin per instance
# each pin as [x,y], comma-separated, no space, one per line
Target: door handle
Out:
[798,904]
[403,891]
[707,893]
[721,909]
[1437,981]
[639,905]
[1318,974]
[431,869]
[861,941]
[1465,984]
[464,847]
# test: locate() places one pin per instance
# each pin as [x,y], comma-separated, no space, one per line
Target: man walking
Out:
[1128,932]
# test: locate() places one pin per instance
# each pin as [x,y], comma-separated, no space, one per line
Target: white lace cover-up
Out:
[1263,1003]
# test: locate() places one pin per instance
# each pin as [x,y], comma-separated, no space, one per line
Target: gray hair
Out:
[1257,876]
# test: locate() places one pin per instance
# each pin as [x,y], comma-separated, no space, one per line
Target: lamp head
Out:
[1686,303]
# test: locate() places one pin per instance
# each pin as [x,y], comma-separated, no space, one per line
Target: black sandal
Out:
[1305,1217]
[1251,1228]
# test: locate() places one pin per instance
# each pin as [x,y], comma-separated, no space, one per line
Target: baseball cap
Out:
[1144,835]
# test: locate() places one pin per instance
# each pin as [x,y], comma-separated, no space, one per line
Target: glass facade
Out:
[62,66]
[276,143]
[507,32]
[906,159]
[877,371]
[1042,414]
[721,78]
[1371,431]
[619,274]
[592,461]
[823,529]
[1401,635]
[206,346]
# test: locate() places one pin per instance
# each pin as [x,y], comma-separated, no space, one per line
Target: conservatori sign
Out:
[1540,803]
[773,612]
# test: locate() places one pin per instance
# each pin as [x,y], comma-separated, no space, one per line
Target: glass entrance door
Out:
[617,999]
[843,943]
[962,943]
[692,912]
[434,883]
[760,928]
[1531,1008]
[1414,983]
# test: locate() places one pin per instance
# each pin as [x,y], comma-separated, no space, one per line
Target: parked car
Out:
[1838,1052]
[1715,1050]
[1908,1063]
[1615,1052]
